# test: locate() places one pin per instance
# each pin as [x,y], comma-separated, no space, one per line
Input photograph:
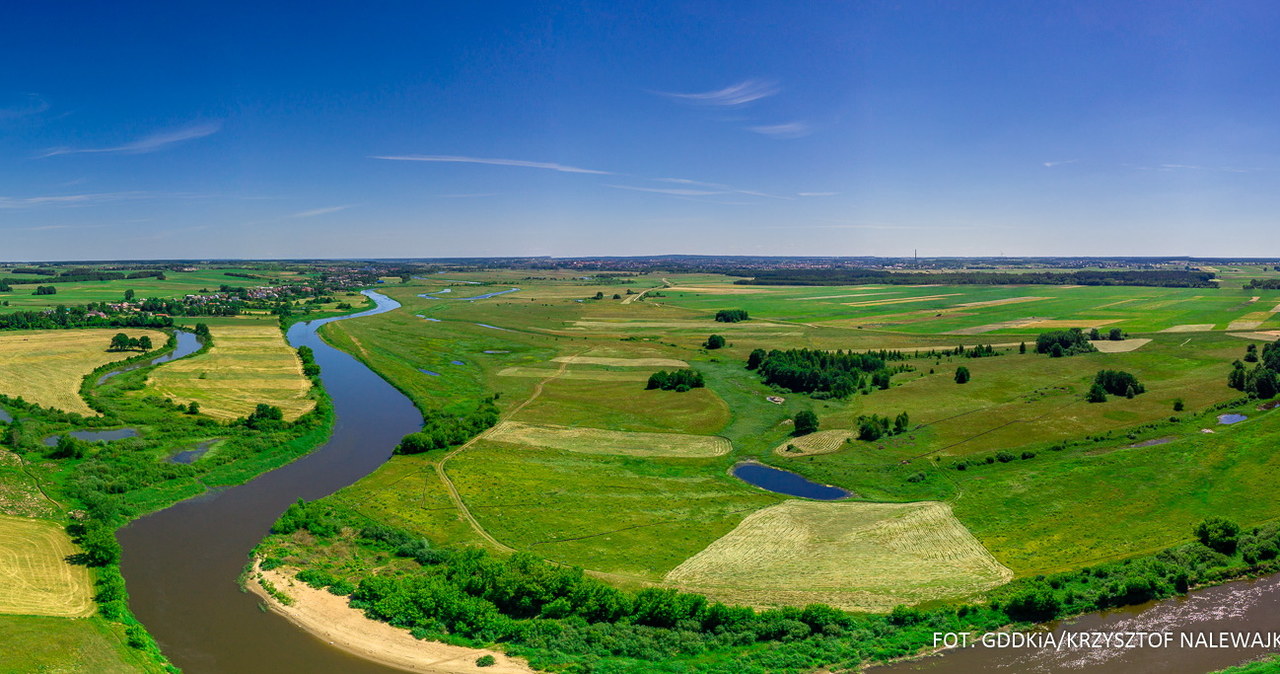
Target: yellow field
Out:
[46,366]
[856,556]
[822,442]
[1123,346]
[591,375]
[36,577]
[1064,323]
[1195,327]
[903,300]
[600,441]
[996,303]
[620,362]
[248,364]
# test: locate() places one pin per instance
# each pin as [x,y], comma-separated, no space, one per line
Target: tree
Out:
[1129,392]
[119,342]
[1096,394]
[193,408]
[714,342]
[1219,533]
[202,330]
[1094,335]
[900,424]
[1251,354]
[144,343]
[1116,335]
[1178,405]
[1056,351]
[616,296]
[756,357]
[962,375]
[1236,379]
[806,422]
[128,295]
[1022,347]
[1117,382]
[600,295]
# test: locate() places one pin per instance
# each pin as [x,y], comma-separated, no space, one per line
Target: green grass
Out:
[1267,665]
[80,645]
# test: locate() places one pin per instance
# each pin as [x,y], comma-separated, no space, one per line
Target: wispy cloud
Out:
[686,181]
[741,93]
[451,159]
[152,143]
[1051,164]
[788,130]
[319,211]
[22,105]
[675,191]
[469,195]
[817,194]
[70,199]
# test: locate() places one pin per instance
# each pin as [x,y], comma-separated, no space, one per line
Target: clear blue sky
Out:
[223,129]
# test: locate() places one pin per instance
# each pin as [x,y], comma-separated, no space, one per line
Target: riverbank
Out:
[328,617]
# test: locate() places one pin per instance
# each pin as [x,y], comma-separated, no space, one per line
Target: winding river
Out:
[181,563]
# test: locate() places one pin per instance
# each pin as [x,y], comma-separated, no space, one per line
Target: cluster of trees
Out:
[1113,382]
[1061,343]
[1108,277]
[675,380]
[1263,379]
[804,423]
[713,342]
[731,315]
[305,354]
[1001,456]
[45,290]
[123,342]
[264,417]
[1264,284]
[832,374]
[442,429]
[873,426]
[1114,335]
[78,317]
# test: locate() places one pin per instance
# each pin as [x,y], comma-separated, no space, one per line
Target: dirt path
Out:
[631,298]
[328,617]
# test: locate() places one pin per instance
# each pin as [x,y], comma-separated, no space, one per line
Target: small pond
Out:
[433,374]
[5,416]
[495,351]
[95,436]
[492,327]
[457,362]
[785,482]
[1231,418]
[192,455]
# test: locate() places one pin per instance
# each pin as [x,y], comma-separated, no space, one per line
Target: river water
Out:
[181,563]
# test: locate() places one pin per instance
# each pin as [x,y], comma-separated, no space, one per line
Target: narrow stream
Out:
[181,563]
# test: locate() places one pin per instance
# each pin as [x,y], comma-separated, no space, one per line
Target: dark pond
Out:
[433,374]
[495,351]
[785,482]
[1231,418]
[5,416]
[1242,607]
[457,362]
[95,436]
[192,455]
[188,344]
[181,563]
[492,327]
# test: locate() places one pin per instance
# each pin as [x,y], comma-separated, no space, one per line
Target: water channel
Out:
[181,563]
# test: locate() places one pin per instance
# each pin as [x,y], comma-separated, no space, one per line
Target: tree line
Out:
[833,374]
[1116,383]
[441,429]
[77,317]
[1109,277]
[123,342]
[1061,343]
[676,380]
[1263,379]
[1263,284]
[731,315]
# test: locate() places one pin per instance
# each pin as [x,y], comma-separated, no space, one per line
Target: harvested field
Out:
[1195,327]
[997,303]
[701,326]
[600,441]
[1064,323]
[247,365]
[1265,335]
[46,366]
[1123,346]
[822,442]
[590,375]
[718,290]
[837,297]
[900,300]
[991,327]
[856,556]
[36,576]
[620,362]
[1250,321]
[328,617]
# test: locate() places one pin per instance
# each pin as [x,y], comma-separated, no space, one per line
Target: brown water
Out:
[1242,607]
[181,563]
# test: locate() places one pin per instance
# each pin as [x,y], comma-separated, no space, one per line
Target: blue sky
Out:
[383,129]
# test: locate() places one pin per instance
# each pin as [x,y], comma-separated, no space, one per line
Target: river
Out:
[181,563]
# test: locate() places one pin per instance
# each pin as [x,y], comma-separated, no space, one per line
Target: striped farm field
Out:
[822,442]
[247,365]
[600,441]
[47,366]
[34,571]
[856,556]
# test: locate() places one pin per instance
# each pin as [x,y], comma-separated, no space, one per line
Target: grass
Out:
[600,441]
[249,363]
[35,573]
[70,646]
[856,556]
[46,367]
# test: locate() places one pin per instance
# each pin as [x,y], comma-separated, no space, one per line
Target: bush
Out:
[486,661]
[962,375]
[714,342]
[1219,534]
[806,422]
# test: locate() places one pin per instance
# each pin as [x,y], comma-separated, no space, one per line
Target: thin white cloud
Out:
[493,162]
[788,130]
[686,181]
[22,105]
[1051,164]
[152,143]
[469,195]
[741,93]
[319,211]
[817,194]
[672,191]
[70,199]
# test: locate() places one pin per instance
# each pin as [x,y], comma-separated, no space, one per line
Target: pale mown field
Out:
[600,441]
[247,365]
[822,442]
[36,577]
[46,366]
[856,556]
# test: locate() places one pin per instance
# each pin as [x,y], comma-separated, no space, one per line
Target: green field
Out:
[558,359]
[74,646]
